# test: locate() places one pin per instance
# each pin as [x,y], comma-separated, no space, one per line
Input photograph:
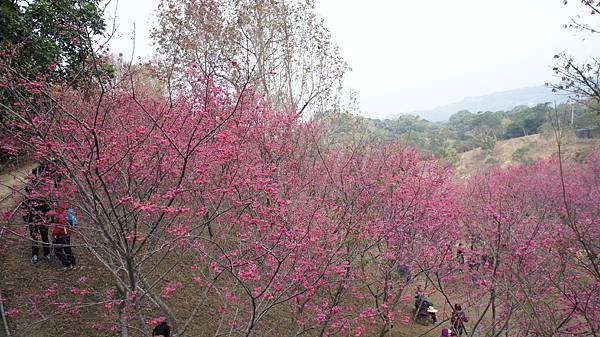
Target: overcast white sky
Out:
[415,54]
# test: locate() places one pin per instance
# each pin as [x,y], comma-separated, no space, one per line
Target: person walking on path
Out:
[37,219]
[458,320]
[63,228]
[37,205]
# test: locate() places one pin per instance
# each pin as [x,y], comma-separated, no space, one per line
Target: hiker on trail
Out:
[162,330]
[460,254]
[458,319]
[404,271]
[37,219]
[38,216]
[487,260]
[423,306]
[474,264]
[64,225]
[474,261]
[419,297]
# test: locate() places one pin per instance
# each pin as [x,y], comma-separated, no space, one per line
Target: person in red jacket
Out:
[458,319]
[62,238]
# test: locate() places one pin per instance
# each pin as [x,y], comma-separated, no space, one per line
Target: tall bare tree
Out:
[283,46]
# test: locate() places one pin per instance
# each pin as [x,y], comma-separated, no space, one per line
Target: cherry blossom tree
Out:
[535,263]
[215,195]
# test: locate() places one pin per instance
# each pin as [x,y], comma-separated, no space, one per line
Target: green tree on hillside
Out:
[526,121]
[49,37]
[452,156]
[522,155]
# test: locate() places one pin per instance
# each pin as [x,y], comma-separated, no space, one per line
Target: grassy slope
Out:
[539,146]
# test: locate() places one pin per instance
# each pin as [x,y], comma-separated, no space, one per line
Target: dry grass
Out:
[540,146]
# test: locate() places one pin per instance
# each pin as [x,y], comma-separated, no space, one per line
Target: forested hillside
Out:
[466,130]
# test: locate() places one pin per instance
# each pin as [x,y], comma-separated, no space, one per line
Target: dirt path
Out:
[11,181]
[22,285]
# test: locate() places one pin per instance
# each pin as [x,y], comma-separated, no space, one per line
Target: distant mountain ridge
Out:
[504,100]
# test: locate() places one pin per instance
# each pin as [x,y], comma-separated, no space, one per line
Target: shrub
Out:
[522,155]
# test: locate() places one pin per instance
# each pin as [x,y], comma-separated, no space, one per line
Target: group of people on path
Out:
[475,260]
[42,215]
[424,308]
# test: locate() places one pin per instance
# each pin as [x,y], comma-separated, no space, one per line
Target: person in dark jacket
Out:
[62,238]
[162,330]
[37,219]
[460,254]
[458,320]
[37,207]
[424,307]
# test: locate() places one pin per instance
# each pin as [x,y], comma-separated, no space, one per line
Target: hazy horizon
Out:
[409,56]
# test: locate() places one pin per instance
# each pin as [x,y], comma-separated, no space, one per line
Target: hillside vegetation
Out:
[523,150]
[466,130]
